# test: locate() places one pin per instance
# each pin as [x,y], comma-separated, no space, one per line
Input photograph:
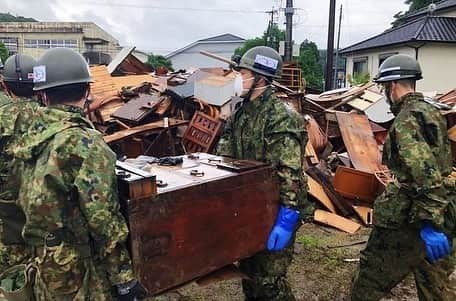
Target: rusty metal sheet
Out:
[359,141]
[356,185]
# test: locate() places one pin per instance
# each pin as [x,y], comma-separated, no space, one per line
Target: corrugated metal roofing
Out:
[429,28]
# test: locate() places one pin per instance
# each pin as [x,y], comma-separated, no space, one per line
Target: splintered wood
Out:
[359,141]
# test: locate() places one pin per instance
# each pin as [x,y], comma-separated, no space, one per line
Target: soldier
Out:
[18,76]
[414,219]
[16,113]
[68,192]
[264,129]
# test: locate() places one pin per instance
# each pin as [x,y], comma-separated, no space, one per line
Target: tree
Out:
[156,61]
[3,52]
[271,37]
[10,18]
[414,6]
[309,62]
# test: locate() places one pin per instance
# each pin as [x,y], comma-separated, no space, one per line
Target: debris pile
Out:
[347,129]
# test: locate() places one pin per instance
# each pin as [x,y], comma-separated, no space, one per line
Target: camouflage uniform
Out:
[15,117]
[417,151]
[266,130]
[68,194]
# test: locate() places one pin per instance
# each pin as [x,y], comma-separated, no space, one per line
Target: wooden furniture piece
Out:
[202,219]
[201,134]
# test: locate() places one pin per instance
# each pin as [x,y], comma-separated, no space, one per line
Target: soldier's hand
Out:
[436,242]
[131,291]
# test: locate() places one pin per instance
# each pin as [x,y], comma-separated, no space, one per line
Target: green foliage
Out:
[249,44]
[414,6]
[271,37]
[358,79]
[3,52]
[10,18]
[156,61]
[309,62]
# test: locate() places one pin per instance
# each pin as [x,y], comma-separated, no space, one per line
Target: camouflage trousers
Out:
[267,272]
[390,256]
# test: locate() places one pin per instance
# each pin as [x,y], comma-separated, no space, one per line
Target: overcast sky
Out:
[163,26]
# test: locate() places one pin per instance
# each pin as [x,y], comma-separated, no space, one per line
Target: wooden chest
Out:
[204,219]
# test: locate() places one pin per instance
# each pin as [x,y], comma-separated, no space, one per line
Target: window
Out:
[360,66]
[383,57]
[50,43]
[11,44]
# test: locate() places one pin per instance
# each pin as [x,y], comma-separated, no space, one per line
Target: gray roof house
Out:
[189,56]
[431,39]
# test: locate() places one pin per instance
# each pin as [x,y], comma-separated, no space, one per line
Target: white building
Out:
[431,39]
[189,56]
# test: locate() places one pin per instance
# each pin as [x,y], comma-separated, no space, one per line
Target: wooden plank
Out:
[371,96]
[360,104]
[317,191]
[142,130]
[359,141]
[311,154]
[365,214]
[336,221]
[341,205]
[452,133]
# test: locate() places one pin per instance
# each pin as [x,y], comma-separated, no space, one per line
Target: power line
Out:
[157,7]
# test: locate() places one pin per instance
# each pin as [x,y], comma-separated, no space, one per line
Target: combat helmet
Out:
[397,67]
[262,60]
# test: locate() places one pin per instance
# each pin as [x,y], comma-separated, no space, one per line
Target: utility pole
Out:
[289,11]
[337,49]
[269,35]
[330,47]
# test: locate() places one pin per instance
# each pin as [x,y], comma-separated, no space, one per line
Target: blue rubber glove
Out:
[283,229]
[436,242]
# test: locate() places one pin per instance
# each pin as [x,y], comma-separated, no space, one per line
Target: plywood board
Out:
[365,214]
[336,221]
[452,133]
[360,104]
[359,141]
[311,154]
[371,96]
[317,191]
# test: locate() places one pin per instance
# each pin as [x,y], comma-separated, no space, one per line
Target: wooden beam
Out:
[317,191]
[341,205]
[336,221]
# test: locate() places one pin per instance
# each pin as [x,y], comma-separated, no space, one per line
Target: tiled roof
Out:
[429,28]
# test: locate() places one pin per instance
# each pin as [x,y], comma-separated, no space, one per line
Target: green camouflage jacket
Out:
[68,193]
[266,130]
[417,151]
[15,117]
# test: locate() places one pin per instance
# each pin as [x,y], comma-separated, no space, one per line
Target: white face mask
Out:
[239,85]
[238,88]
